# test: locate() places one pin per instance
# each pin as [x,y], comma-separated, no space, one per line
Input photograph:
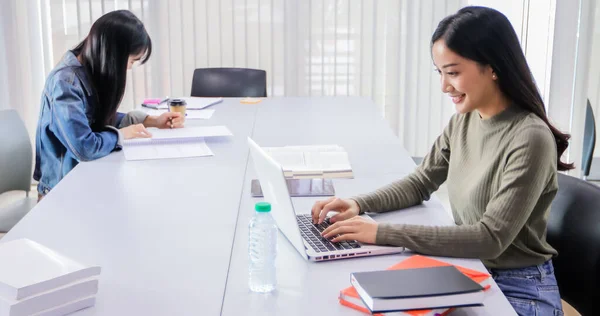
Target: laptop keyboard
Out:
[312,234]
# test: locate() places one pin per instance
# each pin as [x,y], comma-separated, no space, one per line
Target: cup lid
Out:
[177,102]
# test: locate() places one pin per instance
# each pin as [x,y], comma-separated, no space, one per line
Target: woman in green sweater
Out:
[500,156]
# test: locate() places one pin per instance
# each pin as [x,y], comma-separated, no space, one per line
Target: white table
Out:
[171,235]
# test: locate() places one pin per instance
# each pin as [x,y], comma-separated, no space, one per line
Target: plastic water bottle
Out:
[262,249]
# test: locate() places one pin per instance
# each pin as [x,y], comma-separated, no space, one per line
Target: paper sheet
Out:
[189,115]
[197,148]
[173,143]
[181,133]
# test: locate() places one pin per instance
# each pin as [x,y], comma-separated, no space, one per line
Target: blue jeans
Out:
[532,290]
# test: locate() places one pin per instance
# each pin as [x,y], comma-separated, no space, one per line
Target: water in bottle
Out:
[262,249]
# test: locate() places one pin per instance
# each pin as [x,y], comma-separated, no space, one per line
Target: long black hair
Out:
[485,36]
[104,53]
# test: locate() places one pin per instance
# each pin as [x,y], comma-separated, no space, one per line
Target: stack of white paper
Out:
[36,280]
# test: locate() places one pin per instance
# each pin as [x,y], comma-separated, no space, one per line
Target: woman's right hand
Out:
[347,209]
[135,131]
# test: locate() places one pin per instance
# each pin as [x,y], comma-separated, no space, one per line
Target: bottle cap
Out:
[262,207]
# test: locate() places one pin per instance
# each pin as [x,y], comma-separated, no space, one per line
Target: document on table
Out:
[189,115]
[173,143]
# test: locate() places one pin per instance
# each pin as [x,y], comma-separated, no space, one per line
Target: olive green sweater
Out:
[502,178]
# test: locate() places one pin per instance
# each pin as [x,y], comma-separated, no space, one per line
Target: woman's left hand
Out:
[355,228]
[165,120]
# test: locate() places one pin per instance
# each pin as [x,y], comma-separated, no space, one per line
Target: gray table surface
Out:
[171,235]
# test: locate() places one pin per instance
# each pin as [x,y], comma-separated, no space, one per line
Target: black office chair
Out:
[229,82]
[589,141]
[574,230]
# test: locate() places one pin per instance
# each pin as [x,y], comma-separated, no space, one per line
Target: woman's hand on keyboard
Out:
[356,228]
[347,209]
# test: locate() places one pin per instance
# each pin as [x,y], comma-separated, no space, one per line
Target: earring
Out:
[494,76]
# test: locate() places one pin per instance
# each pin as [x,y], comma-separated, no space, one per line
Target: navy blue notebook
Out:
[422,288]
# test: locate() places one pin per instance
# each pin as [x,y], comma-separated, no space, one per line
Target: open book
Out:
[320,161]
[173,143]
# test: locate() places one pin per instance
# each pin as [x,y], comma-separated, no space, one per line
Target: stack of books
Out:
[417,286]
[36,280]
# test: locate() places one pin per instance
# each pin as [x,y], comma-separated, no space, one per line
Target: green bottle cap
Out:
[263,207]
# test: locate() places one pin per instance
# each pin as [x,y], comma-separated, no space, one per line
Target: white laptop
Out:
[298,228]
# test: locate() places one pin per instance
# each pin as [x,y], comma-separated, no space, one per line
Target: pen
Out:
[164,100]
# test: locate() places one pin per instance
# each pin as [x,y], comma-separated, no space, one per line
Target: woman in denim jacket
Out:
[78,114]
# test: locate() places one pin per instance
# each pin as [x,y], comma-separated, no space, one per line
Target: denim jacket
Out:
[64,135]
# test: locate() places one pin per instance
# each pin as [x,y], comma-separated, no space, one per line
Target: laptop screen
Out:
[275,191]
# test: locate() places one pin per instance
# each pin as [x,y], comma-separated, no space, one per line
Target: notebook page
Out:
[181,133]
[172,149]
[189,115]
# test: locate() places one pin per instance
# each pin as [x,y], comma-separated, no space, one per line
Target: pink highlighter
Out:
[154,103]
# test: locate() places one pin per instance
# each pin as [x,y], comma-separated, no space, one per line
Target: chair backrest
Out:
[589,140]
[16,155]
[229,82]
[574,230]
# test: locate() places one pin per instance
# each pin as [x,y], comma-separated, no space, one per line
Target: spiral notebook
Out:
[173,143]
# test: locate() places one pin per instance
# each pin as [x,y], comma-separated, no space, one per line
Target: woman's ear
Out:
[491,72]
